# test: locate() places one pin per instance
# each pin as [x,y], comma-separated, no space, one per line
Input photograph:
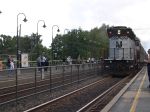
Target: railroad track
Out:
[9,94]
[40,88]
[97,104]
[73,100]
[80,100]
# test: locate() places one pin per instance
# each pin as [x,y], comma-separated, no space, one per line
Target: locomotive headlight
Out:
[127,61]
[119,32]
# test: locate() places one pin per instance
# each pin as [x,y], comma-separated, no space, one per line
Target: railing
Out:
[33,63]
[55,62]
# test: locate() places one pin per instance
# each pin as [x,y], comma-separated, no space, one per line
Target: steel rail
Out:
[38,92]
[34,109]
[93,103]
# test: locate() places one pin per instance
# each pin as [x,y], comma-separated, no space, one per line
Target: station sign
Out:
[24,60]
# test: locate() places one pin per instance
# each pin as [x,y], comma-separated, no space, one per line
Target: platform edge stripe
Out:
[135,102]
[117,97]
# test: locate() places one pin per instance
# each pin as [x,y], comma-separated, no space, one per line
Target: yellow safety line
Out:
[134,104]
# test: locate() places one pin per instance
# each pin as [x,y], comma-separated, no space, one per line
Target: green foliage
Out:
[7,44]
[76,43]
[83,44]
[27,44]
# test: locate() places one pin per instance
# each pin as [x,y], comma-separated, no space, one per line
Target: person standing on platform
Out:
[8,62]
[12,66]
[1,64]
[39,63]
[64,61]
[46,64]
[69,60]
[148,66]
[43,60]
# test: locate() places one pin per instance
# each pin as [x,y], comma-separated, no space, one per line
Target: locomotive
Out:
[126,52]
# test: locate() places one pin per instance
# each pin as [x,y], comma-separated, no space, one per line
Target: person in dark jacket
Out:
[8,62]
[39,63]
[46,64]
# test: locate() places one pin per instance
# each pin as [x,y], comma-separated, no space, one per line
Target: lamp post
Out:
[52,40]
[18,52]
[44,26]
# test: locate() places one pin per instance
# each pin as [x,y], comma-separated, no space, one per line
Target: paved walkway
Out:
[135,99]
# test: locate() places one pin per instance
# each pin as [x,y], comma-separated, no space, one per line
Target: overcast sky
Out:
[70,14]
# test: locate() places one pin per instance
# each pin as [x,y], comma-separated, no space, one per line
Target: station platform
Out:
[134,97]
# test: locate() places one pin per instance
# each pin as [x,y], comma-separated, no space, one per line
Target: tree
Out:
[81,43]
[8,45]
[27,44]
[76,43]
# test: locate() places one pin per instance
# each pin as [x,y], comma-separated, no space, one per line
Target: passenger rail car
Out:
[125,51]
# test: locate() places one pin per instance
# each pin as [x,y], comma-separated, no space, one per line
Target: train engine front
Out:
[123,54]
